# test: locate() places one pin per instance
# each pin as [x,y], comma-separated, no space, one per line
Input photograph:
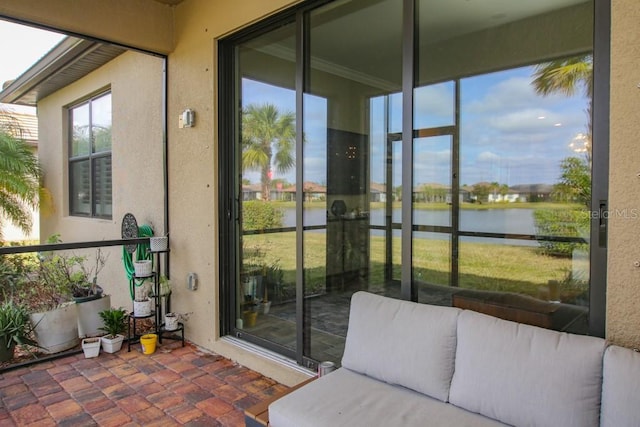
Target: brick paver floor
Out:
[174,386]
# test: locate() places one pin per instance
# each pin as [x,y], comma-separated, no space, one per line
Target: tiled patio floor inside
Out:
[174,386]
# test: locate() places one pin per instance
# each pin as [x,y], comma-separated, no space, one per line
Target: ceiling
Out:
[367,35]
[169,2]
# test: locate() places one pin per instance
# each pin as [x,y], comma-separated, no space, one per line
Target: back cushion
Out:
[524,375]
[401,342]
[620,388]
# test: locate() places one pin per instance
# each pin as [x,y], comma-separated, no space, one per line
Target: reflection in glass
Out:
[355,126]
[101,123]
[519,283]
[266,287]
[102,186]
[431,265]
[432,181]
[80,192]
[80,131]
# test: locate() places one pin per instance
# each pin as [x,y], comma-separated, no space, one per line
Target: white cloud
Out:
[512,93]
[487,156]
[434,105]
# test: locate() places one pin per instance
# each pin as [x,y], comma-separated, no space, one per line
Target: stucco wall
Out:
[623,284]
[193,165]
[137,152]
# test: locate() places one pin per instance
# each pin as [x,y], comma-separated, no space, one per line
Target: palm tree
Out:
[566,76]
[20,175]
[268,140]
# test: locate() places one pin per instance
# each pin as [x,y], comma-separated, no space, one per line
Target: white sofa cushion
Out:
[620,388]
[401,342]
[526,376]
[346,398]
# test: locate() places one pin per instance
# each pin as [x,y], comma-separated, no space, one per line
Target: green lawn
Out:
[443,206]
[484,266]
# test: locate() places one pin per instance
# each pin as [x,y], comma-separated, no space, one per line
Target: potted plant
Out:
[165,286]
[49,299]
[15,329]
[272,277]
[88,295]
[115,321]
[142,304]
[249,311]
[83,280]
[172,320]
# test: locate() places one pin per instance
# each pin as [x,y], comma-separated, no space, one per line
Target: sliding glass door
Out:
[410,149]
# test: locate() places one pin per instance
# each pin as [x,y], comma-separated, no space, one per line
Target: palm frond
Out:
[564,76]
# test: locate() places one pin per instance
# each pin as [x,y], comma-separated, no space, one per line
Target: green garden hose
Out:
[142,253]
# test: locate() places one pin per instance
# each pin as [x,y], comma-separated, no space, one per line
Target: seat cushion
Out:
[620,388]
[346,398]
[401,342]
[525,375]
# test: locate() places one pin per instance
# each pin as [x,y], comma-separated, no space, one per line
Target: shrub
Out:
[260,215]
[561,223]
[14,272]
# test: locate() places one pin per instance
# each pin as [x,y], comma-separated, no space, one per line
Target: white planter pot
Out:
[56,330]
[266,306]
[112,345]
[91,347]
[142,308]
[170,322]
[158,244]
[89,320]
[142,268]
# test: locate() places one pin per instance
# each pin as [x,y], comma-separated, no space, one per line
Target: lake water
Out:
[509,221]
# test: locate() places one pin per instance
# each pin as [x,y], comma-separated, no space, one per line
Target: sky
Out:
[20,47]
[508,133]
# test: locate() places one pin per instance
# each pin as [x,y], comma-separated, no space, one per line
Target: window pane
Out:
[90,180]
[102,186]
[510,279]
[80,191]
[524,166]
[80,135]
[434,106]
[346,79]
[432,267]
[266,289]
[432,181]
[101,123]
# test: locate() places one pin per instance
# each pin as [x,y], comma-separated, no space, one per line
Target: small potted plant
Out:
[172,320]
[15,328]
[115,322]
[250,311]
[84,281]
[142,303]
[165,287]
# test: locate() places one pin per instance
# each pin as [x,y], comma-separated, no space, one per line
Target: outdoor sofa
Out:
[410,364]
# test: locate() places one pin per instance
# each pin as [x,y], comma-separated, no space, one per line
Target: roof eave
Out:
[31,86]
